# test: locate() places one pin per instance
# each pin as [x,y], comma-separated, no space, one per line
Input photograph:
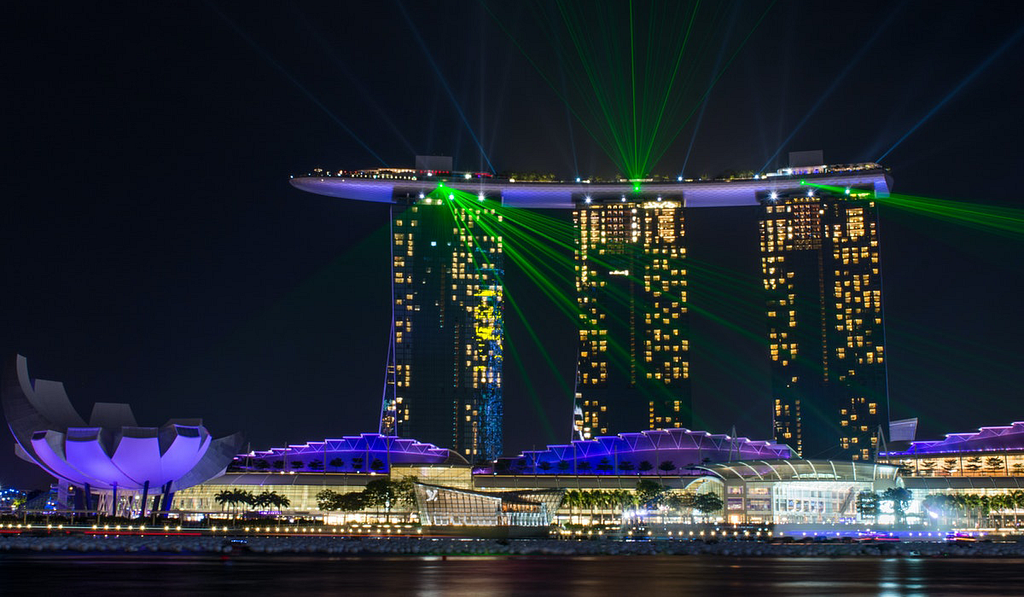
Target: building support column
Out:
[145,496]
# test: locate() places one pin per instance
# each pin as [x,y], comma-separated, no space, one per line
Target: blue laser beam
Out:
[981,67]
[281,69]
[444,83]
[366,95]
[835,84]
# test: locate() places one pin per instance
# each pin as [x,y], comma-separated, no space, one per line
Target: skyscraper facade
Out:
[820,266]
[633,368]
[448,326]
[819,255]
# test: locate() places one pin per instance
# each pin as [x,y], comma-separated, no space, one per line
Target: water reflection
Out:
[83,576]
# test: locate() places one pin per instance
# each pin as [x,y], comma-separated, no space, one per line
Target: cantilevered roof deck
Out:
[387,188]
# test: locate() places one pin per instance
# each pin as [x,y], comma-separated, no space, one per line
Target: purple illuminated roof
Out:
[564,195]
[110,450]
[626,453]
[365,452]
[986,439]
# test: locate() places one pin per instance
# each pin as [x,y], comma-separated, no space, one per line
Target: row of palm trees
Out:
[977,508]
[649,495]
[261,501]
[971,466]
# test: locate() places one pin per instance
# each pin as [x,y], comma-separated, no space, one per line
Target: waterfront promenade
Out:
[418,546]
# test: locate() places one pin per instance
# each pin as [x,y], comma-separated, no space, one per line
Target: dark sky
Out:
[153,251]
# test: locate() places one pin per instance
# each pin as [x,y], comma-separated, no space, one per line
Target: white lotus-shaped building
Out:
[110,452]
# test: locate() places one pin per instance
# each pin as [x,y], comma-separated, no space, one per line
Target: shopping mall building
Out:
[757,481]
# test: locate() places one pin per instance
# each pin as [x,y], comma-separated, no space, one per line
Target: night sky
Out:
[154,253]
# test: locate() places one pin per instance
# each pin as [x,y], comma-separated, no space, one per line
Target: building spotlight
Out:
[847,190]
[773,196]
[451,196]
[679,178]
[587,199]
[810,193]
[480,197]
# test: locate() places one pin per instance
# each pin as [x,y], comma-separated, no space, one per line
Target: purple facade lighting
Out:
[1007,438]
[111,451]
[367,452]
[646,453]
[565,195]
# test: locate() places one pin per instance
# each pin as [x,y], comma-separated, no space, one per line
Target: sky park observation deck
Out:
[452,232]
[405,185]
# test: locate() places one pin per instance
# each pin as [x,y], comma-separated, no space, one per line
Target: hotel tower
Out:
[826,342]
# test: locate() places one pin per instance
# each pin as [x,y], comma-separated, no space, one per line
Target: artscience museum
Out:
[109,463]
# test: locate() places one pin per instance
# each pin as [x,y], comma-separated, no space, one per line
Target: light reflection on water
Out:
[145,576]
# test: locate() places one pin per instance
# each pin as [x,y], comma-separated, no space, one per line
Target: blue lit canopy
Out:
[653,452]
[367,452]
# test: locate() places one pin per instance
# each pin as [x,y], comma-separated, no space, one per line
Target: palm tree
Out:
[587,502]
[377,464]
[1016,501]
[261,500]
[544,465]
[224,498]
[644,466]
[243,497]
[357,463]
[297,464]
[994,464]
[986,507]
[597,502]
[972,503]
[336,463]
[626,466]
[583,465]
[1001,503]
[667,466]
[571,501]
[268,499]
[316,465]
[563,465]
[262,464]
[962,504]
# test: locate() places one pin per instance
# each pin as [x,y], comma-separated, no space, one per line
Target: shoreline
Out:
[437,546]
